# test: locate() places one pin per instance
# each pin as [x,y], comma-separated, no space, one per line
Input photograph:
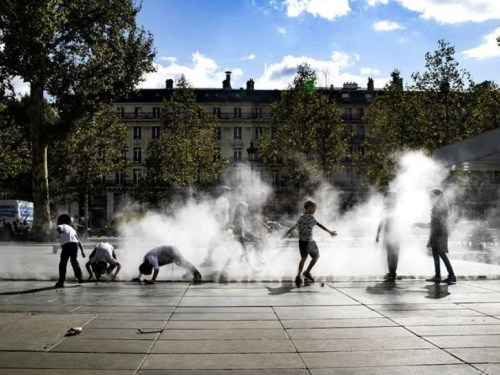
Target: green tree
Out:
[310,135]
[80,52]
[93,151]
[185,152]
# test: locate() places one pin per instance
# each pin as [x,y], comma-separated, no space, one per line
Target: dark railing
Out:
[221,115]
[352,116]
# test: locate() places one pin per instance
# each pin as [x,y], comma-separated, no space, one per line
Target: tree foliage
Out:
[185,152]
[83,53]
[310,134]
[442,105]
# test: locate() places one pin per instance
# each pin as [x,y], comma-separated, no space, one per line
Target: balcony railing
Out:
[352,116]
[220,116]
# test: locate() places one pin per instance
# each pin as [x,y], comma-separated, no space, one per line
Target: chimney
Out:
[169,84]
[250,84]
[371,85]
[226,84]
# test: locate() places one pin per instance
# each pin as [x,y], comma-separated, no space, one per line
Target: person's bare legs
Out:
[311,265]
[301,265]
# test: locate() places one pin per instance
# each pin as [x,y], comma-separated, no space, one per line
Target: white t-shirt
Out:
[103,253]
[66,234]
[222,210]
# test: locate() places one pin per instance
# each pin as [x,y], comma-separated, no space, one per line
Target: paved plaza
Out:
[344,328]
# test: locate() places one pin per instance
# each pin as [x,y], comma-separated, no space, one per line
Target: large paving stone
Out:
[8,318]
[223,361]
[477,355]
[131,324]
[401,370]
[455,330]
[378,358]
[115,334]
[225,372]
[63,372]
[325,312]
[134,316]
[339,323]
[416,307]
[444,321]
[39,332]
[103,346]
[430,313]
[223,310]
[125,309]
[83,361]
[465,341]
[345,345]
[345,333]
[226,317]
[489,368]
[38,308]
[485,308]
[223,346]
[224,334]
[235,324]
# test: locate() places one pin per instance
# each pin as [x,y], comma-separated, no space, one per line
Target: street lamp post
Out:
[253,154]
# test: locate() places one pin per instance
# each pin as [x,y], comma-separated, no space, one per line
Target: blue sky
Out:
[344,40]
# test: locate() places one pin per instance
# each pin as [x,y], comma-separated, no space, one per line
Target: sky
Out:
[343,40]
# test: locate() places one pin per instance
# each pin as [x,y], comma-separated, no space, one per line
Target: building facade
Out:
[243,114]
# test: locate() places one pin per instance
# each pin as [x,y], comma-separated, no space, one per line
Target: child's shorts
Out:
[308,248]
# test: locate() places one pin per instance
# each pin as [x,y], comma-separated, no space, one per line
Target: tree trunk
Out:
[41,222]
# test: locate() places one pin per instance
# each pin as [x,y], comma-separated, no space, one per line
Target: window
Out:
[360,113]
[237,113]
[137,173]
[347,113]
[349,175]
[218,133]
[120,111]
[361,150]
[156,112]
[237,132]
[273,132]
[237,154]
[216,112]
[368,97]
[137,155]
[155,132]
[137,132]
[119,179]
[258,132]
[345,96]
[217,154]
[361,132]
[275,177]
[138,112]
[258,112]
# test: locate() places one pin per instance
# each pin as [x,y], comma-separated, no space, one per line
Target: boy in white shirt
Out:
[103,260]
[69,244]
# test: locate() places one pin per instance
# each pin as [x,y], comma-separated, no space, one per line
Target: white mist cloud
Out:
[450,11]
[327,9]
[387,26]
[489,47]
[249,57]
[281,30]
[278,75]
[202,72]
[369,71]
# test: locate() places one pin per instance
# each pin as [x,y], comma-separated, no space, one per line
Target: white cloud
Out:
[281,30]
[328,9]
[451,11]
[369,71]
[387,26]
[279,75]
[249,57]
[489,48]
[168,58]
[202,72]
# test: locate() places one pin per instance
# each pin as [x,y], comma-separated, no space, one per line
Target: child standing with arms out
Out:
[307,245]
[69,244]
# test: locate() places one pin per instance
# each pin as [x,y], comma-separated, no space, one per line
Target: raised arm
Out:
[331,232]
[380,226]
[290,230]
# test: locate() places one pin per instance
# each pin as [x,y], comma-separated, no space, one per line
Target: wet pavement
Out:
[346,328]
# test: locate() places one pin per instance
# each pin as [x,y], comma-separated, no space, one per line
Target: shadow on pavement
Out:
[437,291]
[32,291]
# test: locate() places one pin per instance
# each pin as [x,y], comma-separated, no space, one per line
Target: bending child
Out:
[103,260]
[160,256]
[307,245]
[242,233]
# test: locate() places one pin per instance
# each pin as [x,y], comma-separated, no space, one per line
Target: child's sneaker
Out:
[196,276]
[59,284]
[308,277]
[298,281]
